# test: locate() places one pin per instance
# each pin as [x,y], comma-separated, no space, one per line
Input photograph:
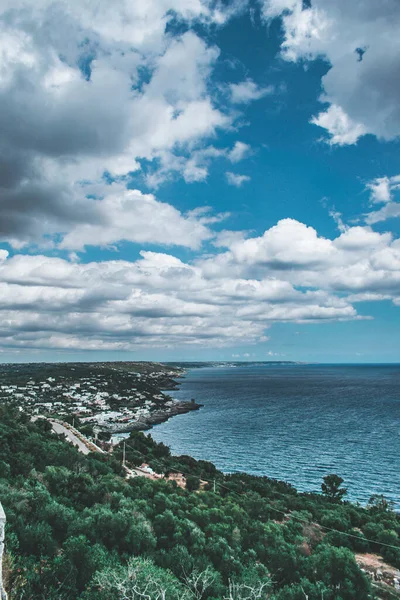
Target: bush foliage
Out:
[77,529]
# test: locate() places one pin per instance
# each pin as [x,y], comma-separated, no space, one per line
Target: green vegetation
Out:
[332,489]
[78,530]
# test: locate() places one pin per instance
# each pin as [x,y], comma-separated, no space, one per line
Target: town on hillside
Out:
[106,398]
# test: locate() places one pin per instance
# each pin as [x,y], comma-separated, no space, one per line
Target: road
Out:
[75,437]
[71,437]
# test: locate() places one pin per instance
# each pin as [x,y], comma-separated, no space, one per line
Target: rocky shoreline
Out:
[171,408]
[159,416]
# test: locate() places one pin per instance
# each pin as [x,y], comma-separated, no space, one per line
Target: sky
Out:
[200,180]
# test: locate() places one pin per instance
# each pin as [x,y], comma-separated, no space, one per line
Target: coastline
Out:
[171,408]
[160,416]
[110,397]
[282,426]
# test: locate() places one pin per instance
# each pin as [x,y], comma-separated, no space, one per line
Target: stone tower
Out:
[3,594]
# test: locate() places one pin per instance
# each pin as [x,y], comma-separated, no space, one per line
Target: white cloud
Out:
[290,273]
[129,215]
[359,260]
[122,94]
[359,238]
[225,238]
[247,91]
[383,190]
[288,242]
[360,42]
[140,24]
[143,94]
[342,129]
[389,211]
[337,217]
[239,151]
[236,179]
[380,190]
[193,167]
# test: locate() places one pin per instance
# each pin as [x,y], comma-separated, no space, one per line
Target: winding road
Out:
[70,435]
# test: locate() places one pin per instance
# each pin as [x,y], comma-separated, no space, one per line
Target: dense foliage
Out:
[78,530]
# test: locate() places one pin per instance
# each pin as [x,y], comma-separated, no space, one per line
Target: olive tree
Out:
[140,579]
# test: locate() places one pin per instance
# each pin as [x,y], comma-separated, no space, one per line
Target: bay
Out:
[295,423]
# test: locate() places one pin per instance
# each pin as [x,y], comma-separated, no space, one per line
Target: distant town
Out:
[106,397]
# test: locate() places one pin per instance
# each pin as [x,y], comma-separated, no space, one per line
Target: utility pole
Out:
[96,431]
[123,455]
[214,486]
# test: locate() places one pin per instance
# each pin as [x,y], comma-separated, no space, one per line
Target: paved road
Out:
[58,428]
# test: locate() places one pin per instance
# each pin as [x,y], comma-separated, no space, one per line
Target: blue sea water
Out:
[296,423]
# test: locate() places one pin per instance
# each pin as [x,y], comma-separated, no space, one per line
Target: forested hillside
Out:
[77,529]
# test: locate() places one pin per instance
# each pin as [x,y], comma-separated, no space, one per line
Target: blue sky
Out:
[196,180]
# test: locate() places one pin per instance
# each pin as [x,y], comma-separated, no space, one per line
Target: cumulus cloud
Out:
[236,179]
[359,260]
[290,273]
[342,129]
[226,237]
[287,243]
[156,301]
[129,215]
[360,42]
[93,95]
[117,90]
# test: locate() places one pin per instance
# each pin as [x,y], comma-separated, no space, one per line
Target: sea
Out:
[295,423]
